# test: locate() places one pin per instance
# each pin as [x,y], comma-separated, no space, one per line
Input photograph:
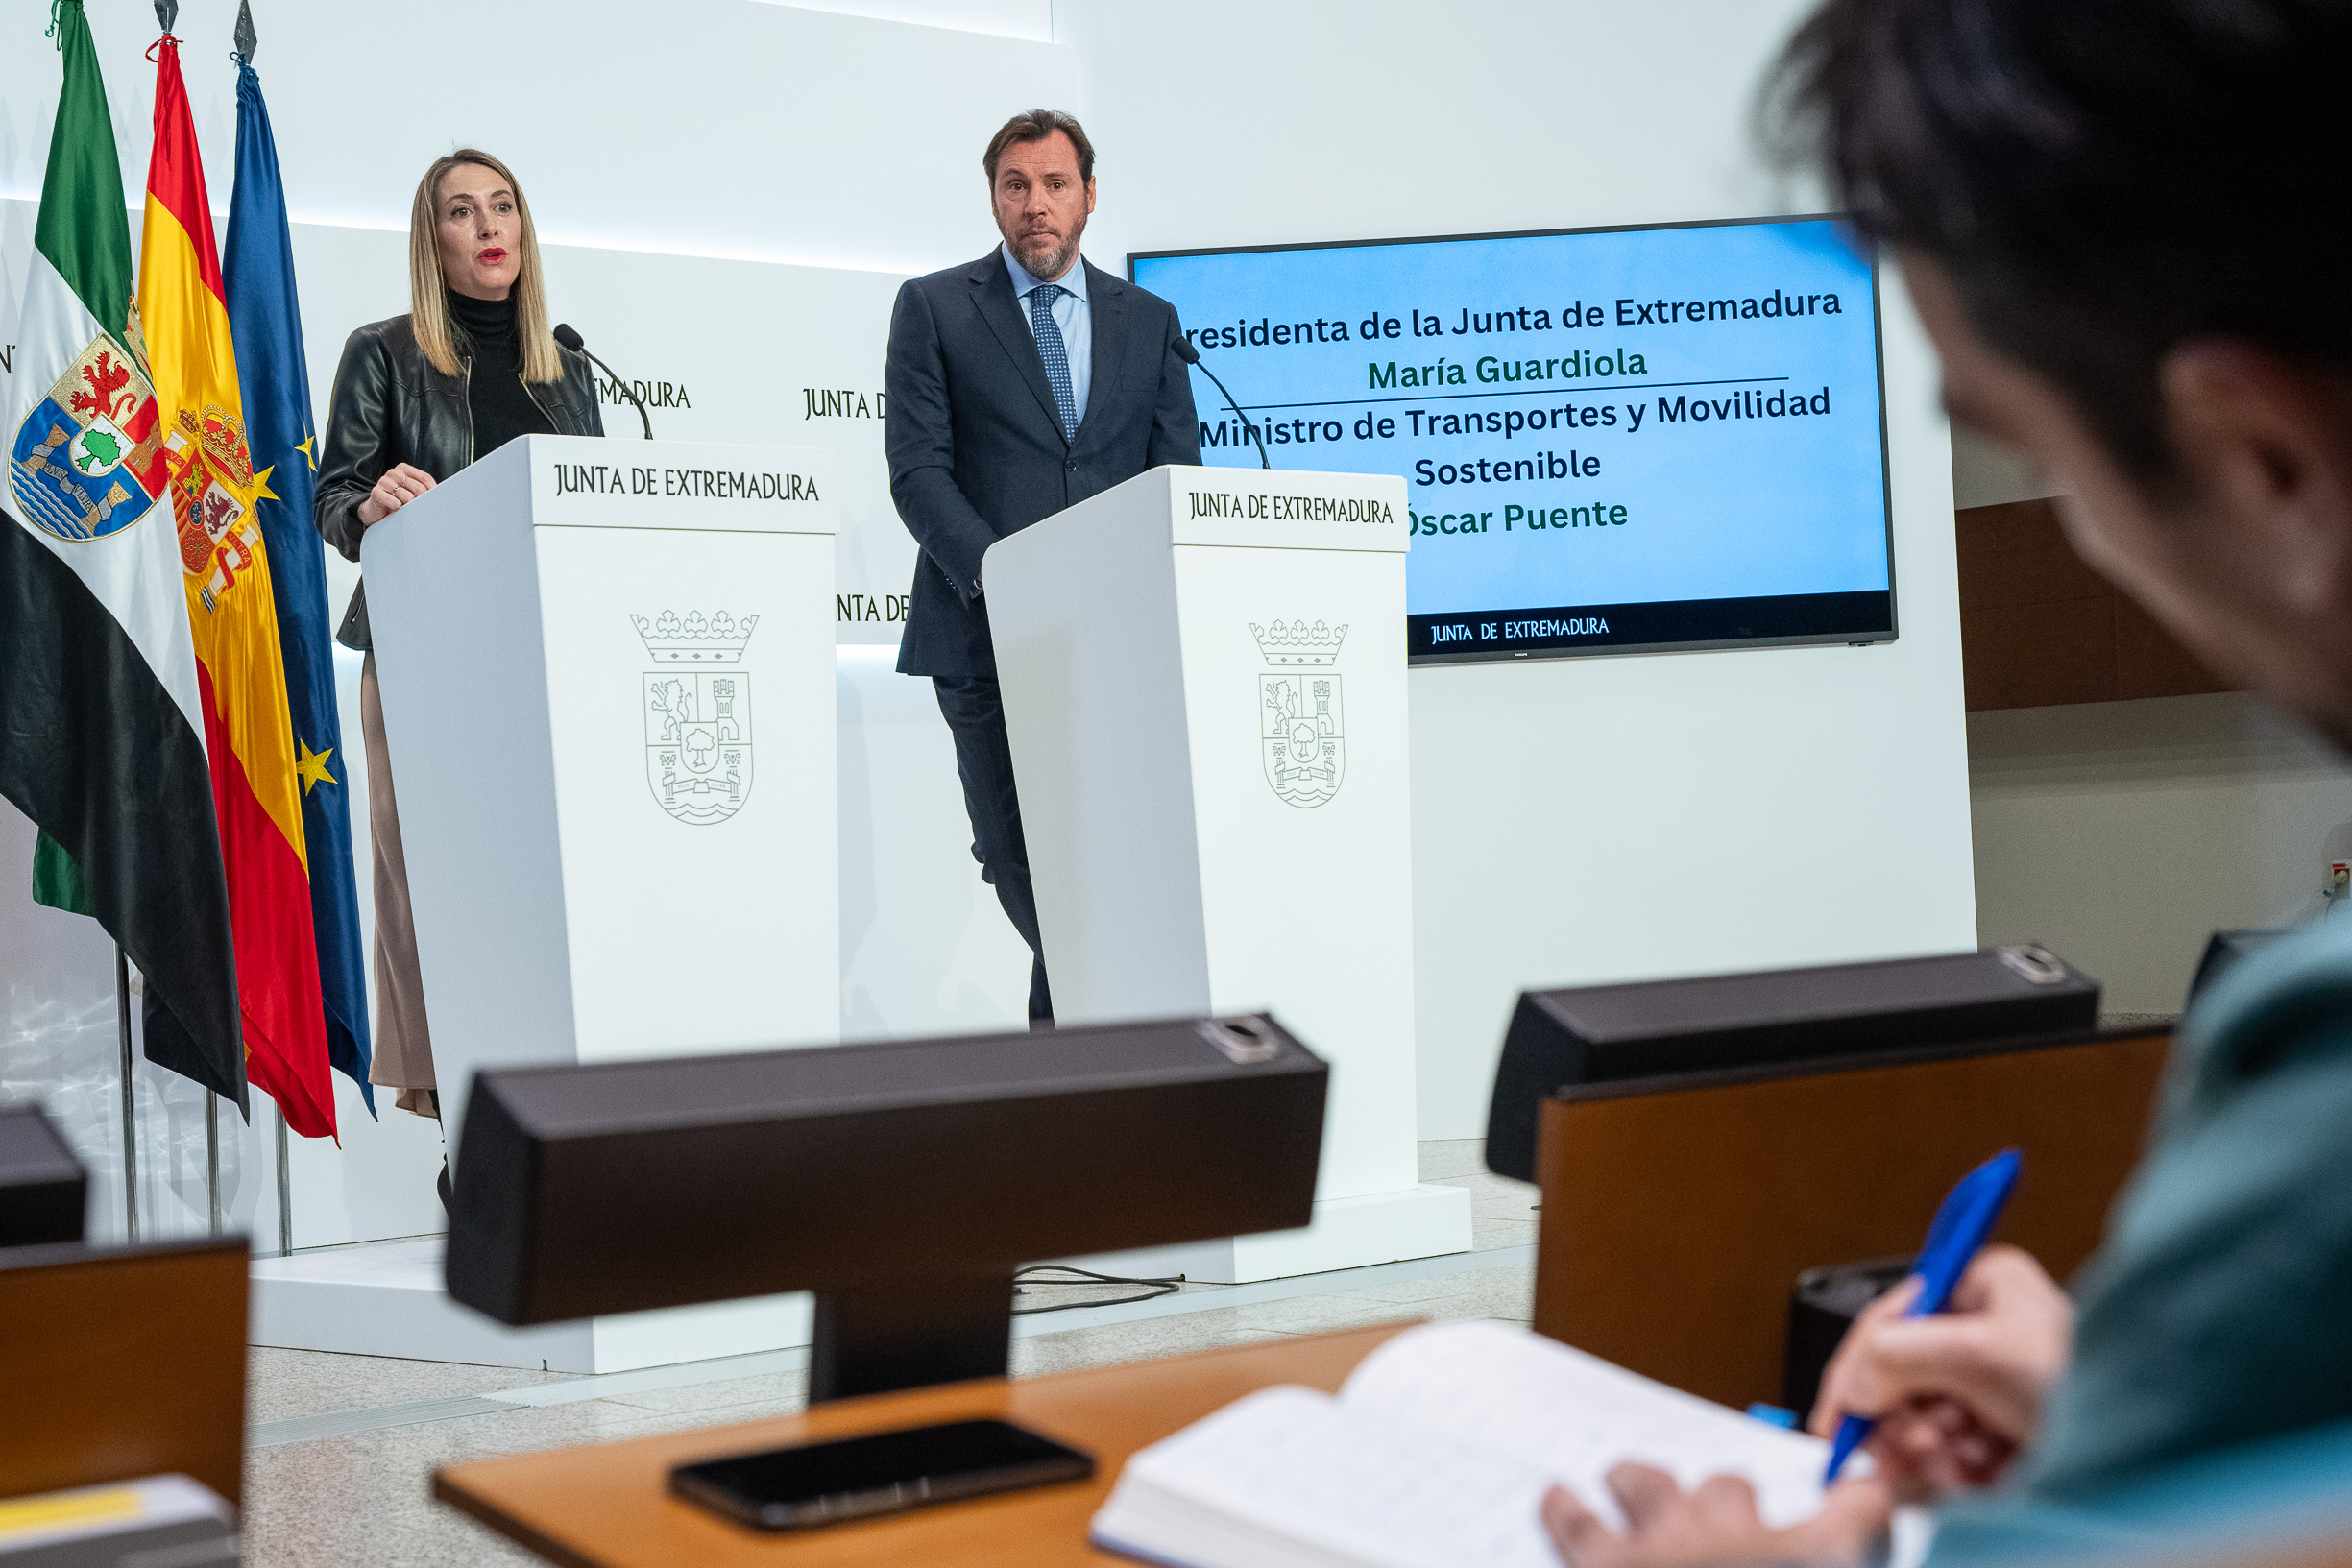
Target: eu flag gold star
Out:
[304,450]
[311,766]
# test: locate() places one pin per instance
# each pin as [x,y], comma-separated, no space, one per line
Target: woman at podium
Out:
[416,397]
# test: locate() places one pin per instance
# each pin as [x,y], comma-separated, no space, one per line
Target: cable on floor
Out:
[1032,1276]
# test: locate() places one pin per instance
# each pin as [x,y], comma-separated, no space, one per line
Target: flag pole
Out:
[285,1194]
[213,1156]
[131,1126]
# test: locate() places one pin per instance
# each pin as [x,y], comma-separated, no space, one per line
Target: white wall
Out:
[724,128]
[2122,834]
[1576,820]
[1591,819]
[1986,474]
[1014,18]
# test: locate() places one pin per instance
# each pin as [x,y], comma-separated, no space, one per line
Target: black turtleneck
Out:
[494,395]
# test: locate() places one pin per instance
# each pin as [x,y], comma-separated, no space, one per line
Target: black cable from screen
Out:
[1162,1286]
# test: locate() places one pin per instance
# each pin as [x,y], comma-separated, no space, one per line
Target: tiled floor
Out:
[363,1495]
[283,1383]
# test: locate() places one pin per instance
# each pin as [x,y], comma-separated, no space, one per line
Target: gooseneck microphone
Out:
[569,339]
[1185,351]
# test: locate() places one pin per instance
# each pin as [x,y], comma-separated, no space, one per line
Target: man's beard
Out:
[1055,264]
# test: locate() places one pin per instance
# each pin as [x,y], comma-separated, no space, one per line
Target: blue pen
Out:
[1960,1228]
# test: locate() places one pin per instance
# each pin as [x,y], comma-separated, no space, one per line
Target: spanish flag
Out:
[232,619]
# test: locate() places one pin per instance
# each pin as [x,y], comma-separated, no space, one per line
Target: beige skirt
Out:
[403,1058]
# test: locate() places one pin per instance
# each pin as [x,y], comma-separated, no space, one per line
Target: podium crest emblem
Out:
[1302,729]
[697,711]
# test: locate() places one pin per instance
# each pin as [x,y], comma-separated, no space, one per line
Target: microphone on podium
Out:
[571,339]
[1185,351]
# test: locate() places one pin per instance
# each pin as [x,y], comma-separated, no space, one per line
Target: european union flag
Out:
[265,321]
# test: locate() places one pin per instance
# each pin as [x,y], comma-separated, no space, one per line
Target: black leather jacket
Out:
[391,406]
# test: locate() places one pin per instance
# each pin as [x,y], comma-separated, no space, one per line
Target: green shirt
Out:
[2218,1310]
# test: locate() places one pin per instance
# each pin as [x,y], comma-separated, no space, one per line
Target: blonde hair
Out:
[429,285]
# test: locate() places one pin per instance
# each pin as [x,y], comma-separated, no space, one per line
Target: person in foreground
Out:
[2123,226]
[418,398]
[1018,385]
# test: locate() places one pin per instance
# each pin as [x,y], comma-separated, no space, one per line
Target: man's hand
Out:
[1714,1524]
[1957,1393]
[400,484]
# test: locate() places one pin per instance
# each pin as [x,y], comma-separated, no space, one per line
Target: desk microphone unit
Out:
[43,1188]
[903,1182]
[1725,1022]
[2225,951]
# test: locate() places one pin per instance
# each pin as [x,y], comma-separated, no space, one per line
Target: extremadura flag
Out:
[102,721]
[232,619]
[266,322]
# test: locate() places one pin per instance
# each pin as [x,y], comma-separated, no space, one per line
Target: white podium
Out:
[608,684]
[1203,673]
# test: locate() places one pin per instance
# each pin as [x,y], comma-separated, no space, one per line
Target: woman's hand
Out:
[1714,1524]
[1957,1393]
[400,484]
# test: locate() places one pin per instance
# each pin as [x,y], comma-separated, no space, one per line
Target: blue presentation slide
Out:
[1610,439]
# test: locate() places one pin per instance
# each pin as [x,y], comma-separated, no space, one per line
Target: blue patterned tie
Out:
[1055,353]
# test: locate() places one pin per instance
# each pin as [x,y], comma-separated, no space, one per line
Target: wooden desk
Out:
[1678,1212]
[610,1506]
[123,1361]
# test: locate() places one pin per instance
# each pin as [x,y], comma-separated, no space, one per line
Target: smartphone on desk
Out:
[885,1472]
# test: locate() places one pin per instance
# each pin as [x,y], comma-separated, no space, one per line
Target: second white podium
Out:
[1203,673]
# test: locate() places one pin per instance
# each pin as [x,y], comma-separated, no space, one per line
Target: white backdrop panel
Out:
[722,128]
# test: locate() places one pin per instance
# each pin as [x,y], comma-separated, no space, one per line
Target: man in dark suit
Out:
[1019,384]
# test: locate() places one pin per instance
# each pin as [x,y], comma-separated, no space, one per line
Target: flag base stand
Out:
[212,1162]
[285,1194]
[385,1299]
[131,1120]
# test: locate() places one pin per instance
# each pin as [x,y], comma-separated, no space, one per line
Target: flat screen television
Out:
[1613,440]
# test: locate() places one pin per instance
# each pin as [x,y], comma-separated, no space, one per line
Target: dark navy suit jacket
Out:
[976,444]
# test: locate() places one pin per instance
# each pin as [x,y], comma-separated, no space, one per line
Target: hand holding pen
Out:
[1963,1222]
[1959,1392]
